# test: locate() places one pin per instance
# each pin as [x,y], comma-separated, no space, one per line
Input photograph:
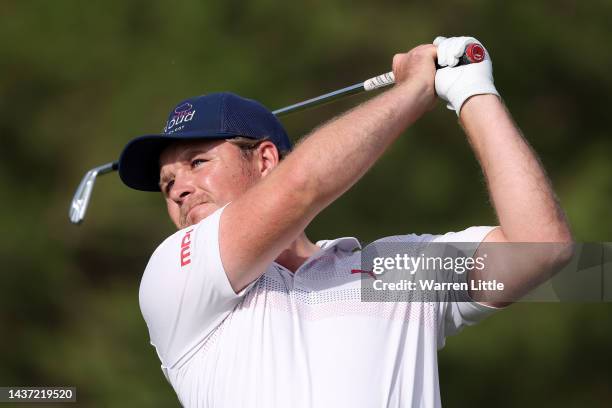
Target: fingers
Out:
[421,58]
[455,84]
[438,40]
[430,50]
[425,51]
[451,49]
[416,66]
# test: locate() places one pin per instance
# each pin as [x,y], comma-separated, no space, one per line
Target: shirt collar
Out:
[348,244]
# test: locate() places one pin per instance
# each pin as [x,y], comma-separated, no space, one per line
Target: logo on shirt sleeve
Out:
[186,248]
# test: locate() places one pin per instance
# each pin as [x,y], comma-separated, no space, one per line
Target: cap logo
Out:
[183,108]
[182,114]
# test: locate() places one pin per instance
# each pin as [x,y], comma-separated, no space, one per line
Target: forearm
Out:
[326,164]
[520,191]
[523,199]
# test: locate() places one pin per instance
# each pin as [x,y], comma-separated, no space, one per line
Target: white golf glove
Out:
[456,84]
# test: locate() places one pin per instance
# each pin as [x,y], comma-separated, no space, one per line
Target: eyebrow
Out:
[188,153]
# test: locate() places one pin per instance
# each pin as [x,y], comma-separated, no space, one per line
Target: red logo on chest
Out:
[186,248]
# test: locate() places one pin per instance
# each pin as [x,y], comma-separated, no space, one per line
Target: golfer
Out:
[244,310]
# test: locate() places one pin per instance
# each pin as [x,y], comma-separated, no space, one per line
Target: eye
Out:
[197,162]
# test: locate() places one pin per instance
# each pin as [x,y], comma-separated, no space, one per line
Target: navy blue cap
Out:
[214,116]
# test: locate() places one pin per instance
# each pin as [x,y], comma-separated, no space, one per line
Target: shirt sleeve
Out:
[185,293]
[457,310]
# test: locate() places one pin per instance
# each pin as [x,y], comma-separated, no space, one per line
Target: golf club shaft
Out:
[473,53]
[83,193]
[372,83]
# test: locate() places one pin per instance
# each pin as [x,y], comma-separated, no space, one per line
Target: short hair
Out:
[247,145]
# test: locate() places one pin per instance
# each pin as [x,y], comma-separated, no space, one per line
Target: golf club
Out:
[80,201]
[473,53]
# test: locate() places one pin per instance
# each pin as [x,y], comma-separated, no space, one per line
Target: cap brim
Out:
[139,161]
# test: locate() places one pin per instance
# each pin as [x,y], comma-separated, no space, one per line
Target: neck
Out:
[297,253]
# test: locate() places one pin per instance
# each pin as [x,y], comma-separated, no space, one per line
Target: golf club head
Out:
[80,201]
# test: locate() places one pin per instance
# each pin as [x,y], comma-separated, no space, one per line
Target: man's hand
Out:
[417,68]
[455,84]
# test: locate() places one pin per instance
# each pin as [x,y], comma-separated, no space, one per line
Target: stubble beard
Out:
[184,220]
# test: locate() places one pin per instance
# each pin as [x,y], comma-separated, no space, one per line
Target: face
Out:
[199,177]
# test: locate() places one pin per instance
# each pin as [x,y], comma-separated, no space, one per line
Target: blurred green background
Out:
[78,79]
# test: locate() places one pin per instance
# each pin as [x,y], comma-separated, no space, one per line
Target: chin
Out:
[199,213]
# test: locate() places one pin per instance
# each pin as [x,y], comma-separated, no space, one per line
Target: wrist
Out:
[479,89]
[418,87]
[417,94]
[479,105]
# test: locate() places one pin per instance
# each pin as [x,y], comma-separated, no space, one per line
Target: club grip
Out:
[473,53]
[379,81]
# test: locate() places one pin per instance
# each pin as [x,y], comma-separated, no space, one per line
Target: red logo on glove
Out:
[186,249]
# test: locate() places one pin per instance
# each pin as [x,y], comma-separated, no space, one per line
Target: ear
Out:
[267,155]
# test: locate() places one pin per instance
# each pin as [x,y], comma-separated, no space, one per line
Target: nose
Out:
[182,188]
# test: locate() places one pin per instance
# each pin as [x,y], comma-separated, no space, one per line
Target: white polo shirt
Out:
[303,339]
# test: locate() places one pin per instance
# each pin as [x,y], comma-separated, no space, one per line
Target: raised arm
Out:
[523,198]
[256,227]
[520,192]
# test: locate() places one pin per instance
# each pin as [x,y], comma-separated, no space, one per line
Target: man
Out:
[244,310]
